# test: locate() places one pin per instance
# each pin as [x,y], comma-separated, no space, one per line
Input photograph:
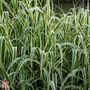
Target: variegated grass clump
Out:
[39,51]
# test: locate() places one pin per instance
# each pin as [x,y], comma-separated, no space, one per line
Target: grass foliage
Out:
[40,51]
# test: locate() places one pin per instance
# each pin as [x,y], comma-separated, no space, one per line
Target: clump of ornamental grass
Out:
[40,51]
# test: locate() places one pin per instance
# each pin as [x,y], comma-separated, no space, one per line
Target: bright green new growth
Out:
[40,51]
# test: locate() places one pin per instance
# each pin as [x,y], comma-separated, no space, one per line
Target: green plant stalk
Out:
[73,64]
[41,62]
[84,78]
[36,11]
[1,7]
[48,8]
[4,71]
[52,7]
[2,52]
[15,5]
[89,75]
[88,4]
[87,22]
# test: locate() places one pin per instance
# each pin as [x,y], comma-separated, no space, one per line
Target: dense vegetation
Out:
[40,51]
